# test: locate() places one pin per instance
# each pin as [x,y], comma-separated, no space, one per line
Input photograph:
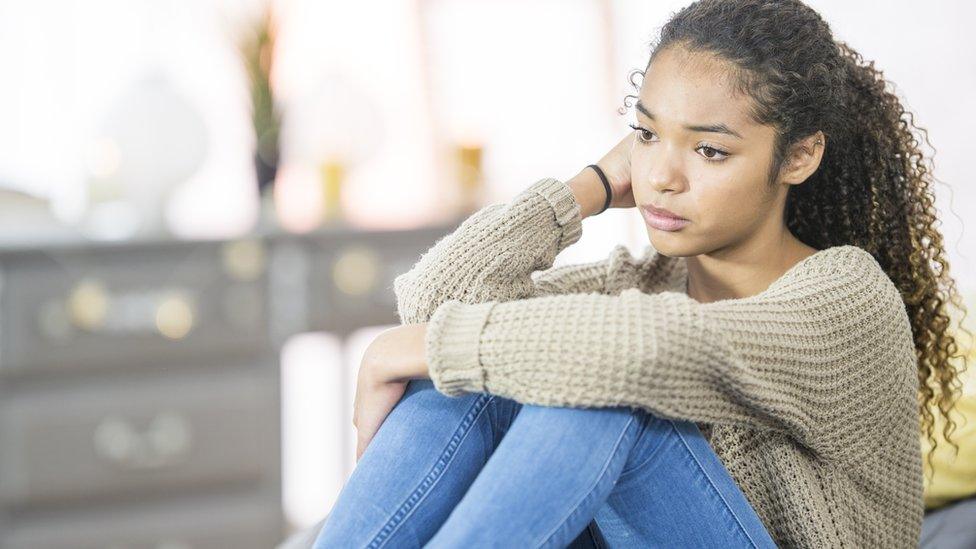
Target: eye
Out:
[713,150]
[713,154]
[640,134]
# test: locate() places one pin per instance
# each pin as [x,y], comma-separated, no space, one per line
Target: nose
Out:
[665,170]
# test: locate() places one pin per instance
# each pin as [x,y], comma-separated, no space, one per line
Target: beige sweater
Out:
[806,391]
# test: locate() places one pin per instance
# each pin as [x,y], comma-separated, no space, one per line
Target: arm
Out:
[819,355]
[494,254]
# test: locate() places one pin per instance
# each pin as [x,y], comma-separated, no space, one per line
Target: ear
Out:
[803,159]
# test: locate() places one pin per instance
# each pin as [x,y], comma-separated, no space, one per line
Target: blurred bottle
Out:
[333,172]
[469,176]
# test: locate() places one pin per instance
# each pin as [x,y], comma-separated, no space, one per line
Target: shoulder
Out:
[835,259]
[846,277]
[836,266]
[847,257]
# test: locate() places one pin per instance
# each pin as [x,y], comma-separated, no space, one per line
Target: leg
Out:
[676,492]
[545,481]
[418,465]
[556,468]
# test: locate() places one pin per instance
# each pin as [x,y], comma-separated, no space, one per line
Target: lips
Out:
[662,220]
[661,212]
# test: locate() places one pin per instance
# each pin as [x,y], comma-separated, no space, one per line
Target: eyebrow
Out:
[708,128]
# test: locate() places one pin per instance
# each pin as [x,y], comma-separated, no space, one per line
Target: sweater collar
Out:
[678,279]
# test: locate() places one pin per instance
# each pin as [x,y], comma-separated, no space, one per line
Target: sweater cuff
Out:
[564,205]
[452,346]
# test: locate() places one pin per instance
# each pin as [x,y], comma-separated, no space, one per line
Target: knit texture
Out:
[806,391]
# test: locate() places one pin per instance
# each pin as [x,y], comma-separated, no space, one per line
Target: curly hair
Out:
[873,188]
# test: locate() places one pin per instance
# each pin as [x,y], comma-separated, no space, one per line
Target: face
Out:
[682,161]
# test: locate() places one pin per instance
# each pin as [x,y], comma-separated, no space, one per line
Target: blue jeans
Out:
[480,470]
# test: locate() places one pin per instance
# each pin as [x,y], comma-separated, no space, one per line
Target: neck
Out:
[743,270]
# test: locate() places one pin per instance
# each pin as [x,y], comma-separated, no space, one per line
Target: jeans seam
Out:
[660,444]
[600,477]
[714,487]
[429,480]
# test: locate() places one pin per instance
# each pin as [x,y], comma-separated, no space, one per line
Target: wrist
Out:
[588,189]
[414,363]
[397,355]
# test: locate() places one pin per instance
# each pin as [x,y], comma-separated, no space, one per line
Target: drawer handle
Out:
[165,442]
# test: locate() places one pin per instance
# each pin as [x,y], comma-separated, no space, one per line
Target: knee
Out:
[420,396]
[424,390]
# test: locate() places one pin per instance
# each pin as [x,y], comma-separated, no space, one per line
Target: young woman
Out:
[756,377]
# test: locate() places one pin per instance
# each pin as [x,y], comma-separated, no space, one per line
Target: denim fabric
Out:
[484,471]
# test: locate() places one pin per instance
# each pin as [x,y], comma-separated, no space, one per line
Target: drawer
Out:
[352,282]
[129,306]
[153,436]
[210,523]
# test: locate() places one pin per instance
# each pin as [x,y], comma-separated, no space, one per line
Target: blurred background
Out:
[203,204]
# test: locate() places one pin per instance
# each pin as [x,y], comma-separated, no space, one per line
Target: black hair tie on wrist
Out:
[606,185]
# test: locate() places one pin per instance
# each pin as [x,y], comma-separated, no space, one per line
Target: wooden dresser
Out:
[139,381]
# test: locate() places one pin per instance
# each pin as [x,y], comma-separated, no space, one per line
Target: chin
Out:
[662,241]
[671,244]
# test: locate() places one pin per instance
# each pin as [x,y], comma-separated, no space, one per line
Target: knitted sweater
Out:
[806,391]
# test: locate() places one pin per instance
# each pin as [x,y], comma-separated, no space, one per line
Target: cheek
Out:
[725,204]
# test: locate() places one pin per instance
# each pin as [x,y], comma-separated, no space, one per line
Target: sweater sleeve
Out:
[815,355]
[495,253]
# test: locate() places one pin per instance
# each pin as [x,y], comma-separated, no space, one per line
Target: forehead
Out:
[685,87]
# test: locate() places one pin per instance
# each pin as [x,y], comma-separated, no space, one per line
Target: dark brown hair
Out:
[873,188]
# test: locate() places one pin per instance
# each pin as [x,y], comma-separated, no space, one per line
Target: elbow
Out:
[409,305]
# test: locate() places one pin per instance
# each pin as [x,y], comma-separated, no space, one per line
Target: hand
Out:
[374,401]
[616,165]
[394,358]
